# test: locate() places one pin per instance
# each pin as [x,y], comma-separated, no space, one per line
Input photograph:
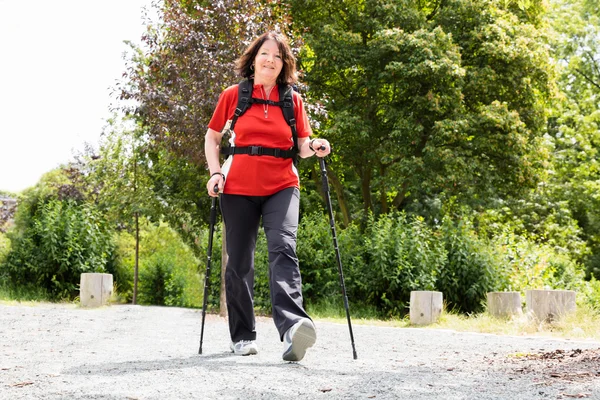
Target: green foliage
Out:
[573,134]
[58,240]
[333,307]
[397,253]
[448,97]
[121,265]
[186,61]
[21,293]
[471,269]
[116,177]
[214,284]
[318,262]
[181,187]
[168,268]
[528,265]
[591,294]
[4,246]
[401,254]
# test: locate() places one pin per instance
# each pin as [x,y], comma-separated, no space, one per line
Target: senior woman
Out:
[266,185]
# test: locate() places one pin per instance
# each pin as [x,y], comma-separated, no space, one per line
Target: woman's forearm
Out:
[212,142]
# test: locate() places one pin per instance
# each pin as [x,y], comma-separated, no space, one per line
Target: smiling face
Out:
[267,63]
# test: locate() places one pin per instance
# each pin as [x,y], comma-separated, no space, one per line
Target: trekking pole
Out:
[212,219]
[337,249]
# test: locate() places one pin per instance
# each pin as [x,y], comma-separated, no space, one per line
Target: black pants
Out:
[280,221]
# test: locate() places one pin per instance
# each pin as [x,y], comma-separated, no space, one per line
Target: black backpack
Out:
[286,103]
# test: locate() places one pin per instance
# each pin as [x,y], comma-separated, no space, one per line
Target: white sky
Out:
[58,61]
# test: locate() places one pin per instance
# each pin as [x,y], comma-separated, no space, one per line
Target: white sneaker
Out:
[244,347]
[298,339]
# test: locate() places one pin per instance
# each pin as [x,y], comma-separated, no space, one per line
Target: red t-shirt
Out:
[259,175]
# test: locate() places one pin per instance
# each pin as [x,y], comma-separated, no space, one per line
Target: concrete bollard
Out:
[425,307]
[549,305]
[95,289]
[504,304]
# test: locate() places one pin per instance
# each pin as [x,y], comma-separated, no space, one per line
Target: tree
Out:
[420,108]
[574,129]
[117,179]
[562,210]
[57,236]
[8,207]
[187,60]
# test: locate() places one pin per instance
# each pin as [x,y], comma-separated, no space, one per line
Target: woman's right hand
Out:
[215,180]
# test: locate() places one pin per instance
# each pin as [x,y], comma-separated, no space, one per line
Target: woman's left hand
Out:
[320,146]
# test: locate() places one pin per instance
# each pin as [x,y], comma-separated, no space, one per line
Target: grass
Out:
[16,295]
[583,324]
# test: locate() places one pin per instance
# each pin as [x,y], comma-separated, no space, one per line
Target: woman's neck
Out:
[266,85]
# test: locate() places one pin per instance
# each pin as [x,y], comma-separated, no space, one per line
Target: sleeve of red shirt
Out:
[224,109]
[302,125]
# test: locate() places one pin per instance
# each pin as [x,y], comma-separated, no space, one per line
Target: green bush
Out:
[401,254]
[55,241]
[590,291]
[316,255]
[471,269]
[4,246]
[352,253]
[168,269]
[4,249]
[396,254]
[529,265]
[121,265]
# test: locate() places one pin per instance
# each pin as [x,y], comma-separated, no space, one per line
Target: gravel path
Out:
[50,351]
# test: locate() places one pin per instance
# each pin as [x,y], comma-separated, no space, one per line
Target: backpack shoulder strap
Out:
[287,104]
[244,100]
[286,93]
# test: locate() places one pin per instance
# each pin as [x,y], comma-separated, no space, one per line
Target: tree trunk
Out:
[341,198]
[383,201]
[366,189]
[137,258]
[316,177]
[137,234]
[400,197]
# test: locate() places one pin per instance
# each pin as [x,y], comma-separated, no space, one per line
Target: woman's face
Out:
[268,62]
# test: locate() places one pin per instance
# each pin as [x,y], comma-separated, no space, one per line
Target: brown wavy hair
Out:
[288,74]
